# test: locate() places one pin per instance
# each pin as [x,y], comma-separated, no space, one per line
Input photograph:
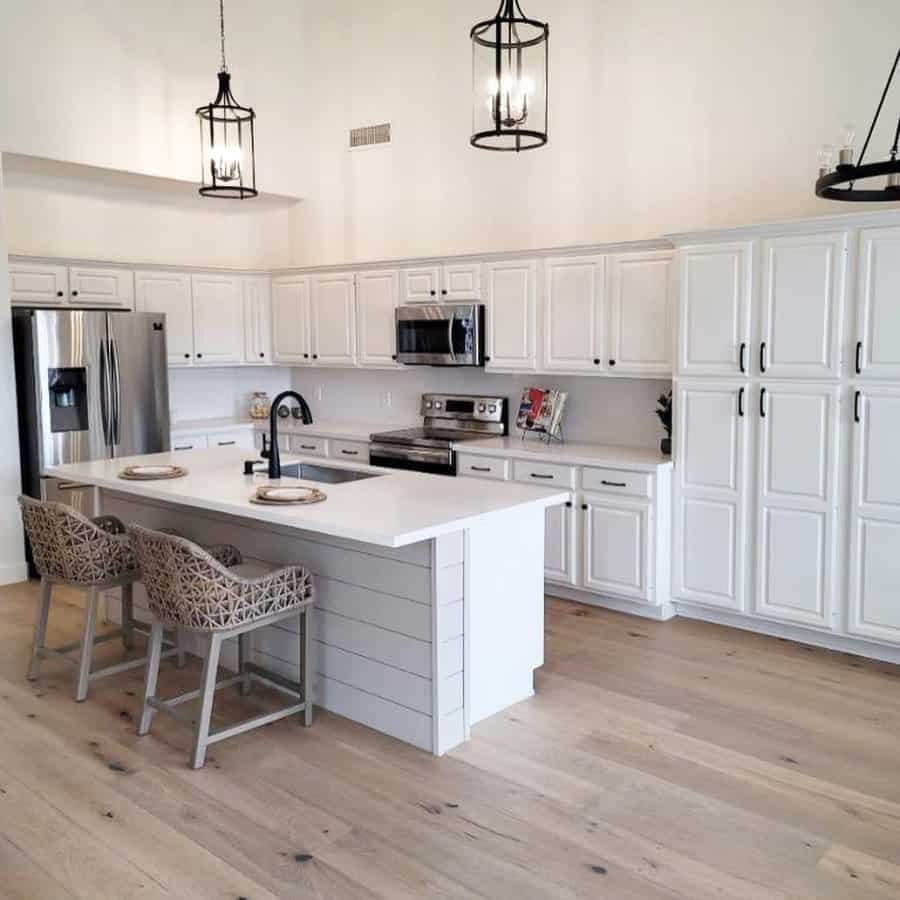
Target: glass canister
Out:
[259,405]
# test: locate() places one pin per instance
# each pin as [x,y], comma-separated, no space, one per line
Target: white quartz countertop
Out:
[392,510]
[638,459]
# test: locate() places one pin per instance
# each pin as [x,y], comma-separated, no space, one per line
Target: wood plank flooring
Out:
[657,761]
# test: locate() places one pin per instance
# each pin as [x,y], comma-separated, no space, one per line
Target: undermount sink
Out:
[324,474]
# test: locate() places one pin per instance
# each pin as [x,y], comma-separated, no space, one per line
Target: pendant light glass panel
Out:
[509,75]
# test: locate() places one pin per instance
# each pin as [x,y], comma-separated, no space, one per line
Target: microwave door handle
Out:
[450,338]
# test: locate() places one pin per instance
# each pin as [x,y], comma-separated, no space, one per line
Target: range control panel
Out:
[464,407]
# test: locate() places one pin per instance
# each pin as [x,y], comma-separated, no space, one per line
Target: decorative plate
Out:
[151,473]
[275,495]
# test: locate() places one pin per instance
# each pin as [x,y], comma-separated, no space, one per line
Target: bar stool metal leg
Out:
[179,643]
[244,653]
[87,644]
[306,663]
[40,629]
[128,616]
[154,651]
[208,692]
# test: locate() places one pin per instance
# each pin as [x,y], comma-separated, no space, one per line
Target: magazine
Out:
[541,410]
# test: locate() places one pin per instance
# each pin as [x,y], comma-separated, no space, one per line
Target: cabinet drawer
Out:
[308,446]
[492,467]
[352,451]
[615,481]
[189,442]
[544,473]
[240,437]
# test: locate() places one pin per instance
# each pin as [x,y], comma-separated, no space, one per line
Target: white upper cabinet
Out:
[94,286]
[38,284]
[510,315]
[257,298]
[877,351]
[461,281]
[420,285]
[290,320]
[218,320]
[714,316]
[377,296]
[169,293]
[874,580]
[801,305]
[333,319]
[796,541]
[709,564]
[574,314]
[640,307]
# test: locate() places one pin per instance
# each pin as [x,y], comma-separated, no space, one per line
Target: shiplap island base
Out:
[430,591]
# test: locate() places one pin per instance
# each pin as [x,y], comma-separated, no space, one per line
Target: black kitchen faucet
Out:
[306,415]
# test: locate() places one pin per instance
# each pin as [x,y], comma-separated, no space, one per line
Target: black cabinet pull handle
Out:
[307,446]
[433,293]
[444,291]
[306,356]
[315,355]
[741,403]
[613,483]
[186,447]
[596,362]
[199,356]
[762,357]
[394,356]
[480,468]
[584,506]
[350,452]
[762,402]
[742,353]
[612,362]
[539,475]
[262,355]
[568,504]
[487,359]
[74,293]
[187,355]
[859,357]
[856,398]
[59,293]
[227,443]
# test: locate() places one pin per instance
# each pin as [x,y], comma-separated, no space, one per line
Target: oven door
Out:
[413,459]
[449,335]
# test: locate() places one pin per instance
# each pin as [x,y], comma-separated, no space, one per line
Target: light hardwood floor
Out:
[675,760]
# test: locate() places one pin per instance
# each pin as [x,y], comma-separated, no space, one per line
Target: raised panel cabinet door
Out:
[560,556]
[640,314]
[420,285]
[95,286]
[796,492]
[510,314]
[290,321]
[801,306]
[378,294]
[876,353]
[874,582]
[461,281]
[711,422]
[36,284]
[574,314]
[257,297]
[218,320]
[616,548]
[333,320]
[714,309]
[169,293]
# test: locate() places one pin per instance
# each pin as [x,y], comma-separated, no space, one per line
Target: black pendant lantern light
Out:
[832,179]
[509,71]
[227,147]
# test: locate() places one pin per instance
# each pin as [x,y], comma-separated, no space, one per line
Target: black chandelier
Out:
[227,146]
[847,172]
[509,71]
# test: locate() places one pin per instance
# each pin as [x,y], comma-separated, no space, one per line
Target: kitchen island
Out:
[430,590]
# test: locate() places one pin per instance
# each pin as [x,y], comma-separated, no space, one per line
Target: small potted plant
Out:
[664,414]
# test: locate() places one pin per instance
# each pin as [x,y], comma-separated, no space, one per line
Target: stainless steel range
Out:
[449,419]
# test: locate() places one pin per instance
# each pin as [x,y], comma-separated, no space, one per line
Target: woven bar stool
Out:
[190,588]
[71,549]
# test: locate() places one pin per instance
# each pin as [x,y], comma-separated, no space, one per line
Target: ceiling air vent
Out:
[370,135]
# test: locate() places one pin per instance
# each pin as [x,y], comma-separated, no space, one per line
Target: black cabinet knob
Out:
[262,355]
[187,355]
[306,356]
[315,355]
[568,504]
[584,506]
[393,356]
[433,293]
[596,362]
[199,356]
[444,291]
[487,359]
[59,293]
[74,293]
[612,362]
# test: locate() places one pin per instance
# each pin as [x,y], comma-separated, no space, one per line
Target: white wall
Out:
[664,117]
[66,210]
[217,393]
[115,85]
[12,550]
[599,410]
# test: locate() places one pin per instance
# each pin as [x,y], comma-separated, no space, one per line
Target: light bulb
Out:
[826,159]
[512,93]
[225,162]
[848,136]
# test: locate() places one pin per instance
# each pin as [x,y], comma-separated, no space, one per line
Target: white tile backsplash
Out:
[218,393]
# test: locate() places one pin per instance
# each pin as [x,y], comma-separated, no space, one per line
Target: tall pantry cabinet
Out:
[781,338]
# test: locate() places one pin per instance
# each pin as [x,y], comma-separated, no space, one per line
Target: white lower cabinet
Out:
[199,440]
[874,565]
[349,451]
[615,546]
[561,544]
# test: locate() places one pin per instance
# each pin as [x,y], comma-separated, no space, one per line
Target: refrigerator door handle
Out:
[115,390]
[105,394]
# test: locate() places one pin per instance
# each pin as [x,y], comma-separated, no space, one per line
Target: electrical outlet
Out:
[320,392]
[386,400]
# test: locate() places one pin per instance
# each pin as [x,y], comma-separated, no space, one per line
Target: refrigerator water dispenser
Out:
[68,399]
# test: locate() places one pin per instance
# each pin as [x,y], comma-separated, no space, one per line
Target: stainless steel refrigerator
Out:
[91,384]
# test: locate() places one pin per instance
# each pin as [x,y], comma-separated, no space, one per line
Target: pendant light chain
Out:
[222,33]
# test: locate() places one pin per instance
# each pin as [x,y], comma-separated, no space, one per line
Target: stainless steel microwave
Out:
[451,334]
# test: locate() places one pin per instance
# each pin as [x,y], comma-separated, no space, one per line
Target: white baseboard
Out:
[796,633]
[661,613]
[12,573]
